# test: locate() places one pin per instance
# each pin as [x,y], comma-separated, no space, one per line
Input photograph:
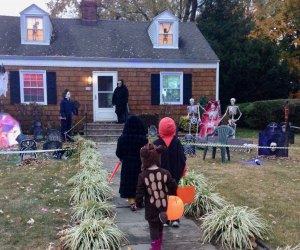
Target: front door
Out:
[104,84]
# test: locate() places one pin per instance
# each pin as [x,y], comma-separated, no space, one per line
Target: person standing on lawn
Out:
[154,185]
[120,101]
[67,110]
[133,138]
[173,158]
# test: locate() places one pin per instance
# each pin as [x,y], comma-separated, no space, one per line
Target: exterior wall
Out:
[138,82]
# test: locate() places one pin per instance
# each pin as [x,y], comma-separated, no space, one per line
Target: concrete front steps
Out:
[103,132]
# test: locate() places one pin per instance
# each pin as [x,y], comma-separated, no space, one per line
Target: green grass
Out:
[35,191]
[273,187]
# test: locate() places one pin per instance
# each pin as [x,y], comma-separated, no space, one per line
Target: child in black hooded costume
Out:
[154,184]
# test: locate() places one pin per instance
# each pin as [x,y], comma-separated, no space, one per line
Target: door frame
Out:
[114,75]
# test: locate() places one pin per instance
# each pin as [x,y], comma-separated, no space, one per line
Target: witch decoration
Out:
[3,81]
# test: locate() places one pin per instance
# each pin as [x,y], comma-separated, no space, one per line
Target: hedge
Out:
[257,115]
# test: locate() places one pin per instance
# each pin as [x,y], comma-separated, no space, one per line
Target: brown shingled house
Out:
[163,62]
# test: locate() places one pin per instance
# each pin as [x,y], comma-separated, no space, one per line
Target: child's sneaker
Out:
[133,207]
[175,223]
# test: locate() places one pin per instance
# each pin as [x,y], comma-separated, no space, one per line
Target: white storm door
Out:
[104,83]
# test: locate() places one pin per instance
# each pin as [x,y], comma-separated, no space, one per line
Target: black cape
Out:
[173,158]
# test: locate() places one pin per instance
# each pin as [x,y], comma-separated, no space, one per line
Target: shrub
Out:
[184,124]
[88,174]
[205,199]
[93,234]
[149,119]
[234,227]
[289,248]
[93,210]
[91,190]
[257,115]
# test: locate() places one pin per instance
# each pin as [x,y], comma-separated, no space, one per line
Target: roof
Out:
[117,40]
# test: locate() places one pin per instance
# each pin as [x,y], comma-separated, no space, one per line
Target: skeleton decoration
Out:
[232,112]
[3,81]
[193,115]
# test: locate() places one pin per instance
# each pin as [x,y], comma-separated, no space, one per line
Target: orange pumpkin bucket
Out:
[175,207]
[186,194]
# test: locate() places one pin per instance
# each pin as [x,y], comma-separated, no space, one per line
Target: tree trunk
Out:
[193,11]
[187,10]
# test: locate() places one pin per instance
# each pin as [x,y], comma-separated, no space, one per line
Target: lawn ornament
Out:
[234,114]
[193,115]
[28,145]
[9,130]
[186,194]
[3,81]
[175,207]
[54,142]
[210,118]
[272,137]
[188,147]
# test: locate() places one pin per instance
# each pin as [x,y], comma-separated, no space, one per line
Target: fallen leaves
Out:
[31,221]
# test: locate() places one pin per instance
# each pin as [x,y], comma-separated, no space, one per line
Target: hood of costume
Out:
[150,155]
[167,130]
[134,126]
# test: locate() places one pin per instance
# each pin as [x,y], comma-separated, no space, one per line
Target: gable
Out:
[35,26]
[164,31]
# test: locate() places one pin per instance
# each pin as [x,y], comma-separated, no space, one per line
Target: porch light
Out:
[89,83]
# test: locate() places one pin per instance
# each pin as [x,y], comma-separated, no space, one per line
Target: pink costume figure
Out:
[210,119]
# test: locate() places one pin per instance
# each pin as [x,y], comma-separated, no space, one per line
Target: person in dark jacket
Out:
[120,101]
[129,144]
[154,185]
[67,110]
[173,159]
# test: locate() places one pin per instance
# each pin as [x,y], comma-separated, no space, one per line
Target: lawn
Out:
[273,186]
[34,202]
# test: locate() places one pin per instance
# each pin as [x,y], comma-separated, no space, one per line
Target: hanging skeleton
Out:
[166,33]
[3,81]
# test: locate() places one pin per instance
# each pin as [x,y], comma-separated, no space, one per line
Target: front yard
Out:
[273,186]
[34,202]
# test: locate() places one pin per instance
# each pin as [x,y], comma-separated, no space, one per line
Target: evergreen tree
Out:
[250,69]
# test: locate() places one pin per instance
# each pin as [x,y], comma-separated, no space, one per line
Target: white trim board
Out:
[106,64]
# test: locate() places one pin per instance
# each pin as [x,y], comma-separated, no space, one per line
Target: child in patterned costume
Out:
[154,185]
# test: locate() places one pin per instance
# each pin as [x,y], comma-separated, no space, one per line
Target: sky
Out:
[14,7]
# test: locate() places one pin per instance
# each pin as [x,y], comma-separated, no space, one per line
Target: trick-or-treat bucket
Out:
[186,194]
[175,207]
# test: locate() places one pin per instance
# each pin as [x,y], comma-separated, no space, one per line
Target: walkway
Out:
[133,224]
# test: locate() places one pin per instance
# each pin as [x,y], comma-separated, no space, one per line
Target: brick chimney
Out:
[88,12]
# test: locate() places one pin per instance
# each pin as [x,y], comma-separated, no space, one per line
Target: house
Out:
[163,62]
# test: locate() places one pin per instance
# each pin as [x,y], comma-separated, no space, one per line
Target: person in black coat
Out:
[120,100]
[67,110]
[173,158]
[129,144]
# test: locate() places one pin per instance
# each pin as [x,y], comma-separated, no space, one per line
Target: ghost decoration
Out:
[3,81]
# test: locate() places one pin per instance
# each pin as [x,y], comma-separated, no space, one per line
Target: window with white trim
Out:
[33,86]
[166,33]
[35,28]
[171,88]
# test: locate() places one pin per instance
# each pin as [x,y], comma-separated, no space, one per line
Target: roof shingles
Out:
[106,40]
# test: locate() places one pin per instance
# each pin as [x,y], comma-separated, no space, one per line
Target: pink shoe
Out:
[155,245]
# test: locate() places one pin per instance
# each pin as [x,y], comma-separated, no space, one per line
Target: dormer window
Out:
[35,31]
[36,27]
[165,33]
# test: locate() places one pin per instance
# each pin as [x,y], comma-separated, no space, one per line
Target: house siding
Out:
[137,80]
